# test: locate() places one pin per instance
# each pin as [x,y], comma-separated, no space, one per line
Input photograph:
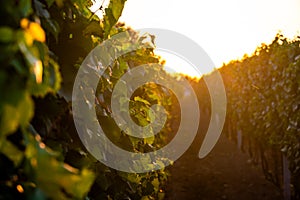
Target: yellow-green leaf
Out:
[6,34]
[14,116]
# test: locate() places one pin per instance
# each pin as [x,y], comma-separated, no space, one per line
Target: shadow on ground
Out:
[224,174]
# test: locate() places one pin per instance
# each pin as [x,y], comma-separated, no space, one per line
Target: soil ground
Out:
[225,173]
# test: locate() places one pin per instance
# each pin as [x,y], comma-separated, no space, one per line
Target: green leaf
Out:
[122,67]
[145,198]
[109,22]
[112,15]
[51,80]
[155,184]
[137,98]
[93,28]
[19,66]
[117,7]
[59,181]
[25,7]
[149,140]
[51,26]
[133,178]
[11,151]
[14,116]
[6,34]
[41,11]
[161,195]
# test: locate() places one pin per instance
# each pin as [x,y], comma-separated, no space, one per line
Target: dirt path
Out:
[223,174]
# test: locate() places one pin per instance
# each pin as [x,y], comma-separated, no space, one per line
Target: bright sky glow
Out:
[225,29]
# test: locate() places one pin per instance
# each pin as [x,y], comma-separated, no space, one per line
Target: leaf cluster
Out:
[42,43]
[263,91]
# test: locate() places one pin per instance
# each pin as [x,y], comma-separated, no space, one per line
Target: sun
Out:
[175,64]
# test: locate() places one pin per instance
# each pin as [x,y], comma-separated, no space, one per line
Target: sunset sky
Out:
[225,29]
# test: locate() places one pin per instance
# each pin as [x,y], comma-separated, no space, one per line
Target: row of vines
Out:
[264,108]
[42,44]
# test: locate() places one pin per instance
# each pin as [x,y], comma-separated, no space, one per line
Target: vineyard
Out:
[43,44]
[263,111]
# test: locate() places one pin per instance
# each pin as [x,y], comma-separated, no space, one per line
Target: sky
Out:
[225,29]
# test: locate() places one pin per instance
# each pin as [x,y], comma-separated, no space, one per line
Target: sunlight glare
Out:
[175,64]
[226,30]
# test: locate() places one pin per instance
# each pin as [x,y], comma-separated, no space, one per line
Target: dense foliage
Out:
[264,101]
[42,43]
